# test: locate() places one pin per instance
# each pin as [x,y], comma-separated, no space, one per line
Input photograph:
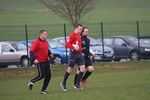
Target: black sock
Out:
[79,79]
[65,78]
[75,79]
[86,75]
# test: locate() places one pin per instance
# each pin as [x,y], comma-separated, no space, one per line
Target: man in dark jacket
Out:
[87,55]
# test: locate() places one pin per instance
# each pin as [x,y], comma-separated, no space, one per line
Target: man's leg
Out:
[41,74]
[87,74]
[47,76]
[67,73]
[82,70]
[76,76]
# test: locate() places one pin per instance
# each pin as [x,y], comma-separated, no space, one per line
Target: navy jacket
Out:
[86,47]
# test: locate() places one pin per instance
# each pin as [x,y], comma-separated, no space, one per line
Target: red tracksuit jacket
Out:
[40,49]
[74,38]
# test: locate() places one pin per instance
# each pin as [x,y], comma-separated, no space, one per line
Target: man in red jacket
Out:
[39,54]
[75,44]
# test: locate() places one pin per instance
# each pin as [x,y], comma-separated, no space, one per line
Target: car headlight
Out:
[147,49]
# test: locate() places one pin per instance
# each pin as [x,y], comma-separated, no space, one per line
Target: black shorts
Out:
[76,58]
[88,62]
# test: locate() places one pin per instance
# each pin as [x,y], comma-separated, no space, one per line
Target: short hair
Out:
[83,29]
[41,31]
[77,25]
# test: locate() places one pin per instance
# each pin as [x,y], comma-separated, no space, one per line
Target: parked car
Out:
[29,43]
[60,55]
[95,49]
[145,40]
[12,53]
[126,47]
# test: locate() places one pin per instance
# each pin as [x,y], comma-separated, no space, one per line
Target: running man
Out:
[75,44]
[88,62]
[39,54]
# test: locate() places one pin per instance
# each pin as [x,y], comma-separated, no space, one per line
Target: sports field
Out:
[111,81]
[119,17]
[20,12]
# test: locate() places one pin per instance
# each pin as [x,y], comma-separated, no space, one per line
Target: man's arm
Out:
[34,46]
[69,42]
[32,56]
[33,49]
[51,54]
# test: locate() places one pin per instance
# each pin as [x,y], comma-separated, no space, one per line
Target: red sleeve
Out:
[69,42]
[34,46]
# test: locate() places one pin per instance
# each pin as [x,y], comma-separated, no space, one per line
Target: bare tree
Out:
[70,10]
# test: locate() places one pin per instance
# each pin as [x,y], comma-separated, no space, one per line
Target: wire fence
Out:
[18,32]
[96,30]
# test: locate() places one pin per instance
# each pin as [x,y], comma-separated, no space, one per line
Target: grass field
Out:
[119,17]
[18,12]
[111,81]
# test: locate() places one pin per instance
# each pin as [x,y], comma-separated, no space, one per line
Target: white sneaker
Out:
[30,85]
[63,87]
[43,92]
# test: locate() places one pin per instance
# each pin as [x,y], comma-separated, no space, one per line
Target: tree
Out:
[70,10]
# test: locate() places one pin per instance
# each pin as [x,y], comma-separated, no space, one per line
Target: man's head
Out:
[84,31]
[78,28]
[43,34]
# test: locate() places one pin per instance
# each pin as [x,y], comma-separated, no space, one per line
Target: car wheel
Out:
[24,61]
[117,59]
[134,56]
[57,60]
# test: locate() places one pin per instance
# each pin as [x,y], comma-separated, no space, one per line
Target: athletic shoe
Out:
[84,83]
[30,85]
[76,88]
[63,87]
[43,92]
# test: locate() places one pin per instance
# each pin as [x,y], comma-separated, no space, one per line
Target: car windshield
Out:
[62,41]
[132,40]
[145,41]
[30,44]
[19,46]
[55,44]
[100,41]
[93,42]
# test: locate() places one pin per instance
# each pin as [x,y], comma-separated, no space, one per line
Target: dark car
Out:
[145,40]
[126,47]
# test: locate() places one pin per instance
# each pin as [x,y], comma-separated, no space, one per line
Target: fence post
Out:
[65,41]
[138,35]
[26,32]
[102,34]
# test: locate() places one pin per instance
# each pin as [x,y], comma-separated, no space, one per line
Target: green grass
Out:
[119,17]
[111,81]
[132,85]
[32,12]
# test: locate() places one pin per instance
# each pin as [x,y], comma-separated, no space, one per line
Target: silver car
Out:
[95,49]
[12,53]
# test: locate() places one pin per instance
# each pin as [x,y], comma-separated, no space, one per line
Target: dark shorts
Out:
[88,62]
[76,58]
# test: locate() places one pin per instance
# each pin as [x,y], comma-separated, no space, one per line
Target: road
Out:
[14,66]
